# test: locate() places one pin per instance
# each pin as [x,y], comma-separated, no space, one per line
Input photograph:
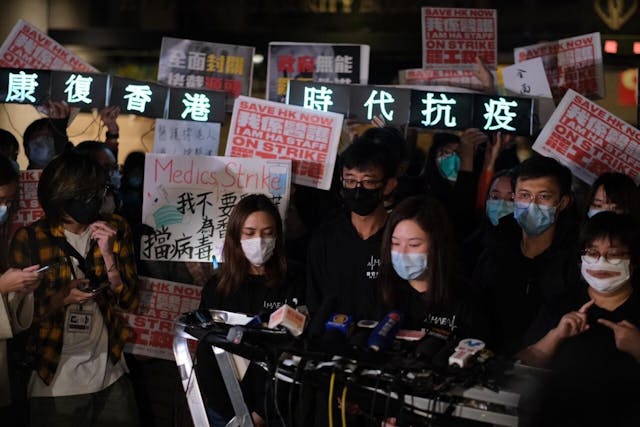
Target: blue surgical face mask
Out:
[591,212]
[449,165]
[497,209]
[409,266]
[41,150]
[4,214]
[534,219]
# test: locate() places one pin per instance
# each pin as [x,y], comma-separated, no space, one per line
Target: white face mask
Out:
[609,284]
[258,250]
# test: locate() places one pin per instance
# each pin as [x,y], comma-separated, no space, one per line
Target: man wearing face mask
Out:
[344,254]
[78,333]
[46,138]
[516,276]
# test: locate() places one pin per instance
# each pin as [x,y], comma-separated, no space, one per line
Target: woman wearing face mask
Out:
[418,272]
[255,278]
[591,338]
[614,192]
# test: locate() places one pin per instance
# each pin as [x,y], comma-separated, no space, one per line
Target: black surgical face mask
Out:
[362,201]
[84,212]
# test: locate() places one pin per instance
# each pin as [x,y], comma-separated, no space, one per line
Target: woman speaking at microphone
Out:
[418,272]
[254,278]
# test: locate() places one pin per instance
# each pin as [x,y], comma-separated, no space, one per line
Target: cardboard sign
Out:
[573,63]
[452,38]
[29,209]
[138,97]
[161,302]
[271,130]
[528,78]
[318,62]
[196,105]
[319,96]
[430,77]
[204,65]
[28,47]
[82,90]
[186,138]
[590,140]
[188,200]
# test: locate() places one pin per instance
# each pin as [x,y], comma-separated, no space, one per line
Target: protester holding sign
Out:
[255,278]
[45,138]
[77,336]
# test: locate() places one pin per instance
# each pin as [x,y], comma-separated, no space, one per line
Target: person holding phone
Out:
[15,284]
[78,334]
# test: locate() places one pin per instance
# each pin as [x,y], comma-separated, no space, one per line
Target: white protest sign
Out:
[452,38]
[573,63]
[186,137]
[529,79]
[590,140]
[271,130]
[161,302]
[28,47]
[188,200]
[429,76]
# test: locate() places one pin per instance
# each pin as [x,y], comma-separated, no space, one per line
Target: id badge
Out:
[79,321]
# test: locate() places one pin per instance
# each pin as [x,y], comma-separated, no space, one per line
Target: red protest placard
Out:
[161,301]
[29,209]
[28,47]
[590,140]
[271,130]
[452,38]
[573,63]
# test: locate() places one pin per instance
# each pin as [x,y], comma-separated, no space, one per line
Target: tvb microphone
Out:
[384,332]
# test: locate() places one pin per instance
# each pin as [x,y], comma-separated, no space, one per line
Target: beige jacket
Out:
[16,314]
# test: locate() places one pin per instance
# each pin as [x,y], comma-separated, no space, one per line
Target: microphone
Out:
[465,351]
[441,358]
[361,332]
[384,332]
[428,348]
[336,330]
[289,318]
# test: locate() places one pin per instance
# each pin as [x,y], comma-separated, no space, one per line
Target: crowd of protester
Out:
[470,236]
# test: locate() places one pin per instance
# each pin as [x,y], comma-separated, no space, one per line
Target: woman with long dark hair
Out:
[254,278]
[419,275]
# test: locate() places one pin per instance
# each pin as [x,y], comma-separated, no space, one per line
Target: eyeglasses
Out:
[591,256]
[526,197]
[368,184]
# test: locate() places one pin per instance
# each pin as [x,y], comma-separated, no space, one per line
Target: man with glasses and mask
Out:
[517,276]
[344,254]
[78,333]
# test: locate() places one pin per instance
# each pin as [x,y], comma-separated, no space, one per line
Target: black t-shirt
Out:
[462,319]
[343,268]
[514,287]
[593,382]
[252,297]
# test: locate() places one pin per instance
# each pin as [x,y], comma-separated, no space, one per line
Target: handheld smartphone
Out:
[47,267]
[101,287]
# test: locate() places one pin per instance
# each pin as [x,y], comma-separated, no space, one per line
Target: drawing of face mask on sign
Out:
[278,180]
[162,212]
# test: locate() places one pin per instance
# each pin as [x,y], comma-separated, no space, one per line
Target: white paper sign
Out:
[188,200]
[186,138]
